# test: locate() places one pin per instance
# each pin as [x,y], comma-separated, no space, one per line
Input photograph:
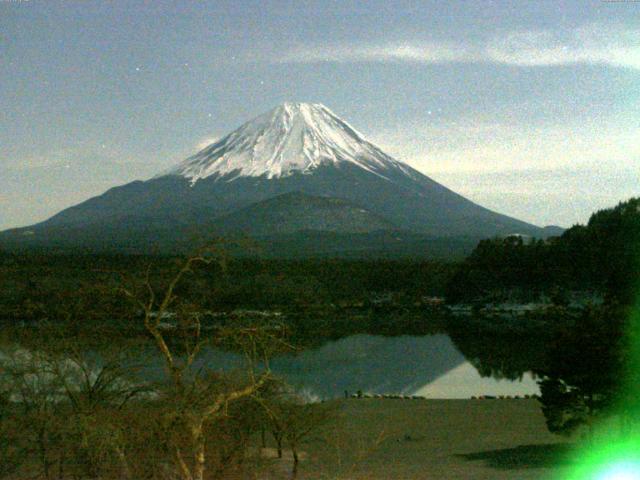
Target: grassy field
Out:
[434,439]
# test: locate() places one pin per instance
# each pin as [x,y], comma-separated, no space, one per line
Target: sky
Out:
[530,108]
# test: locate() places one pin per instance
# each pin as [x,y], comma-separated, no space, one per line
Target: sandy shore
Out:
[435,439]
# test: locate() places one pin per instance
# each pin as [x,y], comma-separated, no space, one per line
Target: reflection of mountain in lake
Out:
[429,366]
[373,364]
[465,382]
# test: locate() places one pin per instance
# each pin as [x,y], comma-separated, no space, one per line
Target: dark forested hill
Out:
[602,256]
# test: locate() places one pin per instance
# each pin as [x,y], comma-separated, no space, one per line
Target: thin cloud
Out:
[588,45]
[54,159]
[397,51]
[205,142]
[550,173]
[472,146]
[593,44]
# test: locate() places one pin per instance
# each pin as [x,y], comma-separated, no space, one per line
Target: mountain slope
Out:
[295,212]
[300,148]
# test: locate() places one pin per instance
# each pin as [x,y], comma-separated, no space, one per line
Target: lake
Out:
[429,366]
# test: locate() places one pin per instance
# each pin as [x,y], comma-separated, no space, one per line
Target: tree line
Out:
[601,256]
[32,281]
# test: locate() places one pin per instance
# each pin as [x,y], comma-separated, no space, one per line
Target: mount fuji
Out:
[296,175]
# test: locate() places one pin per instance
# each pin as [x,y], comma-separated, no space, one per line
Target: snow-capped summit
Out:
[293,137]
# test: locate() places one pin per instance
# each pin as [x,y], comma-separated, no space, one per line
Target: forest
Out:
[602,256]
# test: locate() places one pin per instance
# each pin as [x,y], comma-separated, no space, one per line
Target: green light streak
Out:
[608,461]
[614,452]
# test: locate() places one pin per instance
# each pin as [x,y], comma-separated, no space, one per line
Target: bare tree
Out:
[76,404]
[291,419]
[197,399]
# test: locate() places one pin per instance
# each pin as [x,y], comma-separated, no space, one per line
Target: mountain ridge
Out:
[303,148]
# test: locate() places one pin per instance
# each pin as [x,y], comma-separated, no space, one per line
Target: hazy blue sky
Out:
[531,108]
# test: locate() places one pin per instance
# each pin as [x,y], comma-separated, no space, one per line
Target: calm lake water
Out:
[429,366]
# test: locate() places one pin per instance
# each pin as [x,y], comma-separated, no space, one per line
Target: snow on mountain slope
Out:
[292,137]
